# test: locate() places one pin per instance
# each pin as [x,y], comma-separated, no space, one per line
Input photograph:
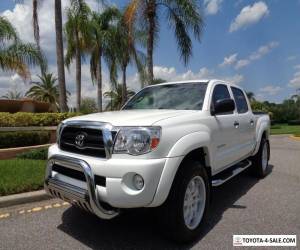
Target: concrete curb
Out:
[8,153]
[17,199]
[296,138]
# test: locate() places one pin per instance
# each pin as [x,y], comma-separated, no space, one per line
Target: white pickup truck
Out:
[167,147]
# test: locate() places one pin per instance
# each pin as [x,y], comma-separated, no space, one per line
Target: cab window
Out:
[240,100]
[220,92]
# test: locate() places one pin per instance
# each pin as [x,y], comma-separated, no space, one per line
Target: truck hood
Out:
[143,117]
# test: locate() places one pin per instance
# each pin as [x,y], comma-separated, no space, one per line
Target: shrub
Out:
[88,105]
[35,154]
[23,119]
[23,138]
[294,122]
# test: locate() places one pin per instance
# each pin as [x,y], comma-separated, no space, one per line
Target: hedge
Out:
[23,119]
[23,138]
[294,122]
[35,154]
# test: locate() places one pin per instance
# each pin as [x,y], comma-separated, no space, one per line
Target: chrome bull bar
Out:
[87,199]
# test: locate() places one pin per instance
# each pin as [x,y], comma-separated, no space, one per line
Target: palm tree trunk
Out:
[60,58]
[99,82]
[78,73]
[36,31]
[150,40]
[124,85]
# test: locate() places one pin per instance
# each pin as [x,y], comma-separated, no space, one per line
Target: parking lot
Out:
[244,205]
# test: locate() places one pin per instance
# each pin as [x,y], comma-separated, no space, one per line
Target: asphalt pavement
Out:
[244,205]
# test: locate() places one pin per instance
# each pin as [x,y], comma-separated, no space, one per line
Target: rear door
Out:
[246,122]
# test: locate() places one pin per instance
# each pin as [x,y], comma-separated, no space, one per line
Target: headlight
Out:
[137,140]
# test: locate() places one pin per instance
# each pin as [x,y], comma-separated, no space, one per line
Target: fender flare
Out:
[181,148]
[264,128]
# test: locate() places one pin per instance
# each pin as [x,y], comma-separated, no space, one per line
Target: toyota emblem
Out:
[79,140]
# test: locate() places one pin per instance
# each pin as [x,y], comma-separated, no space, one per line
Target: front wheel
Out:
[186,208]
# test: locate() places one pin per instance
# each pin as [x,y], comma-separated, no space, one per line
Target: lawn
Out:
[21,175]
[285,129]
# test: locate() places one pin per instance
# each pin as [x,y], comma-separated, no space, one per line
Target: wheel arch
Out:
[198,151]
[263,133]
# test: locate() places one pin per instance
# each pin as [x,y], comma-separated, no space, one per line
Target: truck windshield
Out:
[183,96]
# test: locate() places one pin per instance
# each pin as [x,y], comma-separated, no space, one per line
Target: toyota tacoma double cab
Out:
[166,148]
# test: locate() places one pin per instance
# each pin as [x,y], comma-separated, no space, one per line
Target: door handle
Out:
[251,122]
[236,124]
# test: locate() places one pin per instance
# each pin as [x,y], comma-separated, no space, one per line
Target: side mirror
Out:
[223,106]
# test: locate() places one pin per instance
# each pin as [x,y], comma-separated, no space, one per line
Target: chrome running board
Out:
[227,174]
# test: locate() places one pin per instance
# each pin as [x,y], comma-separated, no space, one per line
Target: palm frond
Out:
[7,31]
[18,56]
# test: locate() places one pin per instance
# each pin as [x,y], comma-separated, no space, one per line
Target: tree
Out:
[16,55]
[183,16]
[127,52]
[158,81]
[102,45]
[45,90]
[76,30]
[296,96]
[60,57]
[88,105]
[115,97]
[36,28]
[251,96]
[13,95]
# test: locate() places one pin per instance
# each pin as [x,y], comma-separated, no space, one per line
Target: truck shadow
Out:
[139,229]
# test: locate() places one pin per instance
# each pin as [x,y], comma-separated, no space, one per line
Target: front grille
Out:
[91,138]
[78,175]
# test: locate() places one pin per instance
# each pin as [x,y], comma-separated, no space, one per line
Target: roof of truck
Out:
[198,81]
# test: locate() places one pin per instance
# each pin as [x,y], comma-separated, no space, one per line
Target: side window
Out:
[220,92]
[240,100]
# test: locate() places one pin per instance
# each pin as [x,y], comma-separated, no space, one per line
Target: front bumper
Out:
[85,198]
[115,192]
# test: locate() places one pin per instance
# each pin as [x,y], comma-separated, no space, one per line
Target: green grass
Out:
[21,175]
[278,129]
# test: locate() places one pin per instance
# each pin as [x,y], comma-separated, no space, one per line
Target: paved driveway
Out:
[242,206]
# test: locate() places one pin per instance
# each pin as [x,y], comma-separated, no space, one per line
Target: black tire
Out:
[258,168]
[171,213]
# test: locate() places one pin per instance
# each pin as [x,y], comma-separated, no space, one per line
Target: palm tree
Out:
[183,16]
[250,96]
[115,97]
[76,30]
[102,46]
[127,52]
[16,55]
[45,90]
[13,95]
[296,96]
[36,28]
[60,57]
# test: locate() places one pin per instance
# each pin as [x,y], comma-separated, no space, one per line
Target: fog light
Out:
[138,182]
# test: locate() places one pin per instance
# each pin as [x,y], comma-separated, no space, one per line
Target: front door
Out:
[225,132]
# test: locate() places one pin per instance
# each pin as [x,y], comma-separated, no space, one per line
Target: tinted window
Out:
[170,96]
[220,92]
[240,100]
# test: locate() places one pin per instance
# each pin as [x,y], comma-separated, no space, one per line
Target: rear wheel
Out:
[185,210]
[260,161]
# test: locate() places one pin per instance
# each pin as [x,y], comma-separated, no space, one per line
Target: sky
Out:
[254,44]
